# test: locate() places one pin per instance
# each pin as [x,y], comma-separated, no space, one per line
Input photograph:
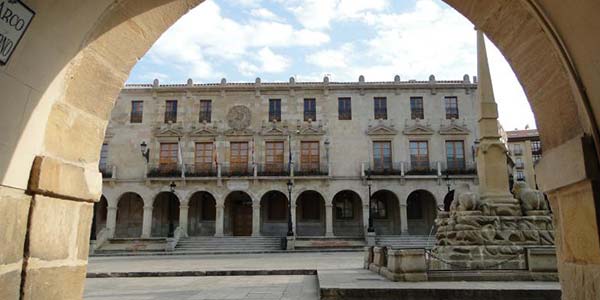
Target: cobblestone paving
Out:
[196,288]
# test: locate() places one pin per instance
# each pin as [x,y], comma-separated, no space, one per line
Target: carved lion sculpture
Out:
[530,199]
[464,199]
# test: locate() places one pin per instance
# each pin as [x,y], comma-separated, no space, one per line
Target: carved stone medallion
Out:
[239,117]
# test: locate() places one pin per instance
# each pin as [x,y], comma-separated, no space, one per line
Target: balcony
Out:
[303,170]
[164,170]
[391,169]
[422,168]
[273,169]
[201,170]
[236,170]
[517,152]
[458,167]
[520,165]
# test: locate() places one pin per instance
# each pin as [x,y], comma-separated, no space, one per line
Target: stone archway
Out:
[421,208]
[238,214]
[310,214]
[55,89]
[274,214]
[386,213]
[130,215]
[99,217]
[347,214]
[202,214]
[165,214]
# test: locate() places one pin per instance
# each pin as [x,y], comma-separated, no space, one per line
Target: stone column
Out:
[147,222]
[293,208]
[183,218]
[365,215]
[255,219]
[220,219]
[329,219]
[403,219]
[111,220]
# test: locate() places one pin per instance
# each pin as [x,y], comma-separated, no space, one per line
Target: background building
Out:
[526,150]
[215,159]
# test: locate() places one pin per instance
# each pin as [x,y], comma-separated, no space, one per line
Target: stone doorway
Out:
[274,214]
[130,212]
[421,212]
[239,205]
[165,215]
[202,214]
[310,214]
[347,214]
[386,213]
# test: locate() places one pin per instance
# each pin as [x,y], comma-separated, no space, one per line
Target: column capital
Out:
[148,207]
[111,208]
[184,206]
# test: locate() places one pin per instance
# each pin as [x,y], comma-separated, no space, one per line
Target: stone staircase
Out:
[330,243]
[131,246]
[227,244]
[406,241]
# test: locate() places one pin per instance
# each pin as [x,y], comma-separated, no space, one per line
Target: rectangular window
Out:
[204,157]
[455,155]
[309,156]
[310,110]
[536,157]
[517,149]
[520,175]
[419,155]
[380,108]
[416,108]
[137,111]
[238,157]
[205,111]
[168,156]
[274,110]
[274,157]
[382,156]
[519,163]
[451,107]
[536,146]
[344,109]
[103,156]
[171,111]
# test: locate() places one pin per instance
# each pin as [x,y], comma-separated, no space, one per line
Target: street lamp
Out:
[171,232]
[290,185]
[369,183]
[145,151]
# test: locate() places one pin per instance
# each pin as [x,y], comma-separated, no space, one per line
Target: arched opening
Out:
[347,214]
[274,214]
[238,214]
[165,214]
[421,210]
[385,208]
[99,217]
[202,214]
[130,215]
[448,200]
[310,214]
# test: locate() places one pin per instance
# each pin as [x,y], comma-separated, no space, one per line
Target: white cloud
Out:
[271,62]
[318,14]
[264,13]
[331,58]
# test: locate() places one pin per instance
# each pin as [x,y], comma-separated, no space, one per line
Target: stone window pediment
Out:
[169,130]
[205,130]
[418,128]
[454,129]
[310,129]
[382,128]
[241,132]
[274,129]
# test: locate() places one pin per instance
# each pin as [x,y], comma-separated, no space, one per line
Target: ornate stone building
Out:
[526,150]
[217,159]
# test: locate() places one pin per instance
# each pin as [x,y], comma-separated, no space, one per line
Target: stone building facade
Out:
[217,159]
[526,150]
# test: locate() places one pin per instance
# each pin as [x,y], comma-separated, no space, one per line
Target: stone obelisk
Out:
[491,154]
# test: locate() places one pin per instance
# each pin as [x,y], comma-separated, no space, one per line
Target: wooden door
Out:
[242,218]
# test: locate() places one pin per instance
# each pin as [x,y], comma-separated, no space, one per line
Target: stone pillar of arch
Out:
[403,219]
[183,218]
[293,209]
[329,219]
[111,220]
[365,215]
[256,219]
[147,221]
[219,219]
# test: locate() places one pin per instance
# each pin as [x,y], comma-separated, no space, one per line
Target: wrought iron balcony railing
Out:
[305,169]
[201,170]
[164,170]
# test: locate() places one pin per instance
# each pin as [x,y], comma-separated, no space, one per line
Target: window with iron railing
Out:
[238,157]
[537,157]
[168,157]
[204,158]
[382,156]
[274,110]
[309,156]
[520,175]
[419,155]
[137,112]
[310,110]
[416,108]
[380,108]
[455,155]
[205,111]
[344,109]
[536,146]
[274,157]
[517,149]
[451,107]
[171,111]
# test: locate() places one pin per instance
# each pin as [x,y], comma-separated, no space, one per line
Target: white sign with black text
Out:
[15,18]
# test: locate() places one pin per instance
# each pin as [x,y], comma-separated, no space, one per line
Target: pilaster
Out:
[329,219]
[147,221]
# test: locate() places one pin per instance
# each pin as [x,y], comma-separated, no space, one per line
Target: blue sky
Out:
[275,39]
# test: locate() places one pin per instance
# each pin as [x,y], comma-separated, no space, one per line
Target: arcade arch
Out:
[238,214]
[386,213]
[347,214]
[421,212]
[274,214]
[165,214]
[130,214]
[202,214]
[310,214]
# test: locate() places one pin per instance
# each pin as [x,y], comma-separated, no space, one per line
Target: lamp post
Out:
[290,185]
[369,183]
[171,232]
[145,151]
